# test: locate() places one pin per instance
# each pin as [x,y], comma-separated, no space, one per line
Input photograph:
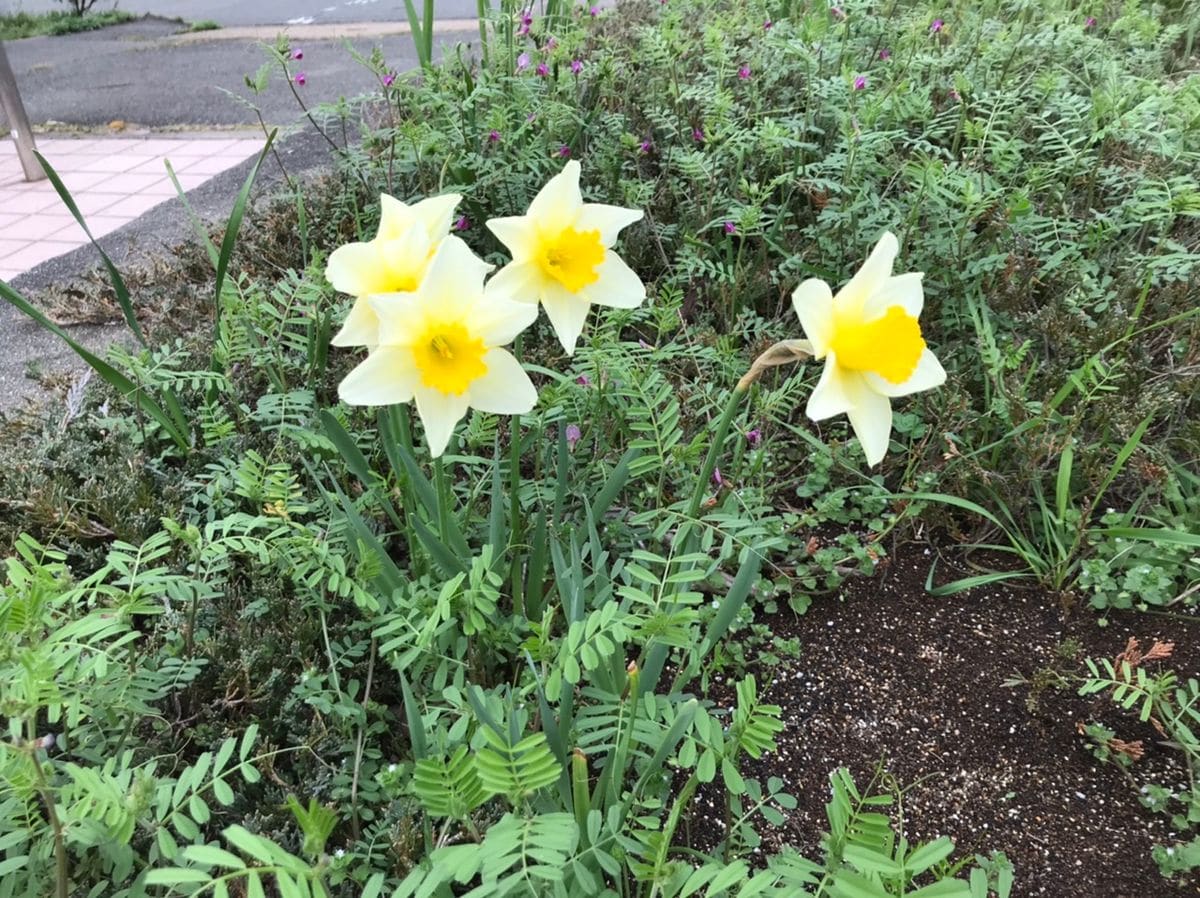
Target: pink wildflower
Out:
[936,26]
[564,152]
[753,437]
[493,136]
[885,54]
[522,62]
[574,435]
[860,82]
[542,70]
[838,13]
[576,66]
[297,53]
[744,72]
[301,79]
[463,224]
[730,228]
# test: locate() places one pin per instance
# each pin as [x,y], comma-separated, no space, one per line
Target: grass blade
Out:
[123,297]
[234,224]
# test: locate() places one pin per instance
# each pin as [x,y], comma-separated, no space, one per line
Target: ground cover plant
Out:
[283,617]
[16,25]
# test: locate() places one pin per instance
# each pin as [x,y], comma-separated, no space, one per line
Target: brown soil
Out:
[889,672]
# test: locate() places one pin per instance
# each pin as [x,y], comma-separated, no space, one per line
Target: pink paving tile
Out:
[44,224]
[25,202]
[48,145]
[38,252]
[98,224]
[6,220]
[91,203]
[153,166]
[9,274]
[133,206]
[162,188]
[127,183]
[200,147]
[212,165]
[8,247]
[84,180]
[115,162]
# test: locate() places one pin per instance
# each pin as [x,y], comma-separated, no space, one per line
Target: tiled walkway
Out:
[112,179]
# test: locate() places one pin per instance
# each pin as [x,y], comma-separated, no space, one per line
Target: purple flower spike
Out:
[564,152]
[646,146]
[698,135]
[717,478]
[297,54]
[522,62]
[494,136]
[389,79]
[574,435]
[838,13]
[936,26]
[594,11]
[1090,22]
[542,70]
[730,228]
[551,44]
[463,224]
[301,79]
[744,73]
[576,66]
[583,380]
[754,437]
[860,82]
[885,54]
[767,25]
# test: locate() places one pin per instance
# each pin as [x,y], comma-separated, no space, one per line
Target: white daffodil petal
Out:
[902,290]
[833,394]
[871,278]
[455,274]
[361,327]
[608,220]
[928,374]
[813,302]
[557,205]
[516,233]
[497,320]
[357,269]
[405,259]
[871,418]
[400,317]
[439,412]
[386,377]
[395,217]
[616,284]
[506,389]
[567,313]
[437,213]
[519,281]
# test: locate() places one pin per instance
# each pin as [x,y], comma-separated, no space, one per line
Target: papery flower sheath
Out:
[562,256]
[871,341]
[393,262]
[441,346]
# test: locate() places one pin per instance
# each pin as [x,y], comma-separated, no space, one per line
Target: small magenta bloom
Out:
[389,79]
[564,152]
[297,53]
[594,11]
[551,44]
[953,95]
[301,79]
[576,66]
[744,72]
[936,26]
[1090,22]
[542,70]
[531,118]
[838,13]
[754,437]
[698,135]
[860,82]
[730,228]
[493,136]
[526,22]
[646,146]
[885,54]
[717,478]
[767,25]
[522,62]
[583,380]
[463,224]
[574,435]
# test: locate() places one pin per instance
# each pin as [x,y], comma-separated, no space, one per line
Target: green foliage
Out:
[17,25]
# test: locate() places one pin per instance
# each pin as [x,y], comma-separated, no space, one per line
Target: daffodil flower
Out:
[562,256]
[394,262]
[871,342]
[440,346]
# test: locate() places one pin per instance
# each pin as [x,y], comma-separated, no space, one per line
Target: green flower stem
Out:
[395,422]
[714,449]
[515,530]
[443,498]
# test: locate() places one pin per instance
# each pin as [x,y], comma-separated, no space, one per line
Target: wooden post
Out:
[18,123]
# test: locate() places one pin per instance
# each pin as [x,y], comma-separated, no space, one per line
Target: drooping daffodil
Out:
[562,256]
[440,345]
[395,261]
[870,338]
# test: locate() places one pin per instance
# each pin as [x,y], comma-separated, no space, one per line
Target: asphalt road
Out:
[264,12]
[144,74]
